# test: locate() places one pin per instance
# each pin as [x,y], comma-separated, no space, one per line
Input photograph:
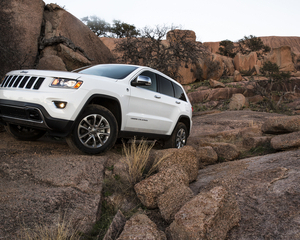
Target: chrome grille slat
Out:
[20,81]
[16,83]
[5,79]
[24,81]
[8,80]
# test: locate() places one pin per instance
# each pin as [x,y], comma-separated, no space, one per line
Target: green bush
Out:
[252,44]
[227,48]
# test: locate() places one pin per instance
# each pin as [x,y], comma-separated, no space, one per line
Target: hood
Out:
[46,73]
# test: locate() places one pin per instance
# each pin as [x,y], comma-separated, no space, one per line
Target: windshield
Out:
[109,70]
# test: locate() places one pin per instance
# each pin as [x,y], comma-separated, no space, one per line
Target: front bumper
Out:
[33,115]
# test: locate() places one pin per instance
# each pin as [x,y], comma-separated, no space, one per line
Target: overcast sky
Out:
[212,20]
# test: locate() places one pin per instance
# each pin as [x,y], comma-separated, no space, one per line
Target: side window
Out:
[165,86]
[179,92]
[153,86]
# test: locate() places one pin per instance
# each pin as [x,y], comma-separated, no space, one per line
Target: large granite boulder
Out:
[282,56]
[245,62]
[46,37]
[71,40]
[209,215]
[21,23]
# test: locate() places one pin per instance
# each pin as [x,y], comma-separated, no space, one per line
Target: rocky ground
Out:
[44,180]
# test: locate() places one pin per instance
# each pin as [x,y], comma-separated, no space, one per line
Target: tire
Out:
[95,131]
[178,138]
[24,133]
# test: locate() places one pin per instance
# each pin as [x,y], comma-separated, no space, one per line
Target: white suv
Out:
[95,105]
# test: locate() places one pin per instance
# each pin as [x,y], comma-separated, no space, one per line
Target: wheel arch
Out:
[187,122]
[111,103]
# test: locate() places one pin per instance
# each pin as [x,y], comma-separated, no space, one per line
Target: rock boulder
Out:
[282,56]
[170,202]
[245,62]
[285,141]
[185,157]
[226,151]
[207,155]
[237,76]
[209,215]
[141,227]
[266,189]
[285,124]
[151,188]
[237,102]
[75,51]
[21,23]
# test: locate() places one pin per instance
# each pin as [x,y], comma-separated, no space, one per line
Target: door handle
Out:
[156,96]
[177,102]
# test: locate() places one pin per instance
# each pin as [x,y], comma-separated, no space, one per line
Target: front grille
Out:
[19,81]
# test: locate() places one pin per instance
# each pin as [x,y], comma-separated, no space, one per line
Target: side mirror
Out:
[141,81]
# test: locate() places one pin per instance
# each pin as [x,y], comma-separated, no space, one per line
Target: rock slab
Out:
[267,191]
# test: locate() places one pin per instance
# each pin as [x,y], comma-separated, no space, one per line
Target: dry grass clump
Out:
[61,231]
[137,160]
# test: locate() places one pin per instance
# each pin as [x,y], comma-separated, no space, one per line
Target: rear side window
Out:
[165,86]
[179,92]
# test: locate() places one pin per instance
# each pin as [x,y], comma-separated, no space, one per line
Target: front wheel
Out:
[178,138]
[95,131]
[24,133]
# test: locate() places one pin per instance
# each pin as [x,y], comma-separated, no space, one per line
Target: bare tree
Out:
[276,83]
[150,49]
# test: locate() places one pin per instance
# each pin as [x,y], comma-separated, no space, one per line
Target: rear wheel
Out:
[24,133]
[178,138]
[95,131]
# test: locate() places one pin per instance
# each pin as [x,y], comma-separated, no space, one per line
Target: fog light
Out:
[59,104]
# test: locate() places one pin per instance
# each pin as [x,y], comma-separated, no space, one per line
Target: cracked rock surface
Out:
[267,189]
[43,181]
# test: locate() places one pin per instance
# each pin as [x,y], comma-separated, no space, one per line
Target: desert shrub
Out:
[269,68]
[247,72]
[226,80]
[298,64]
[199,108]
[276,81]
[198,73]
[212,67]
[227,48]
[252,44]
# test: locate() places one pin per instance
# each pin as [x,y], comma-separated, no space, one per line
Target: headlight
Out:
[66,83]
